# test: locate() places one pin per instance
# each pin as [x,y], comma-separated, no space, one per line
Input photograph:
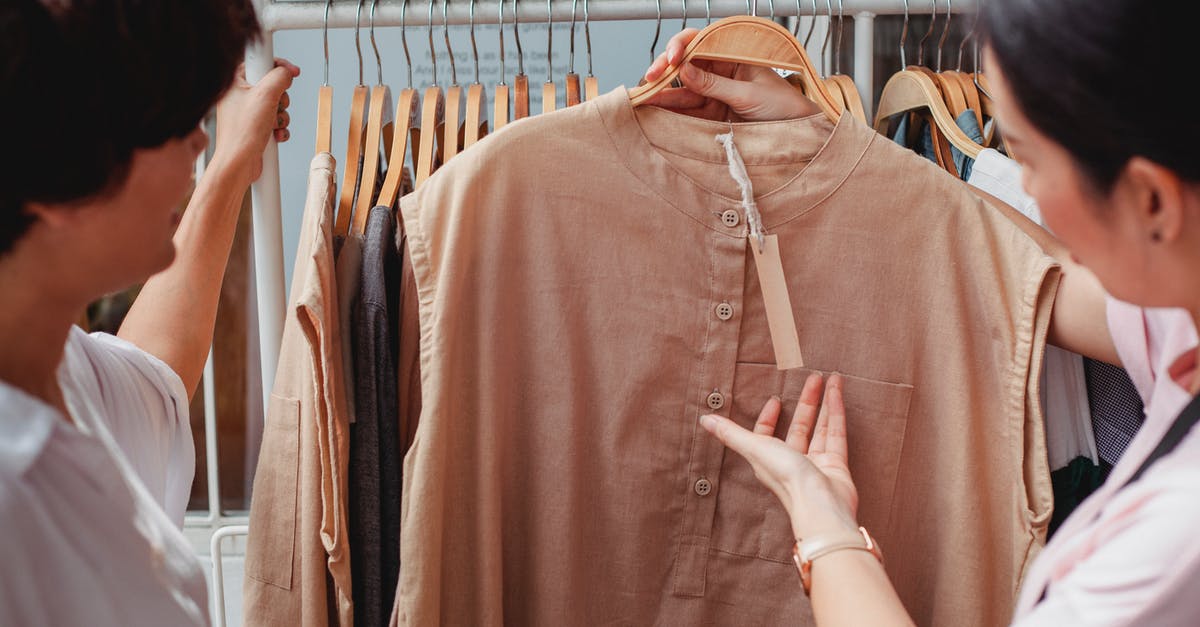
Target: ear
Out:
[52,215]
[1158,198]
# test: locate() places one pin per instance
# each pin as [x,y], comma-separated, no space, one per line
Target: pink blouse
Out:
[1132,556]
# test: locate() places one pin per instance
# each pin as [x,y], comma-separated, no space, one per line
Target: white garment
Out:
[1130,556]
[84,535]
[1064,387]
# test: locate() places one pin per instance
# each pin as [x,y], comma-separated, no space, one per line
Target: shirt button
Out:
[730,217]
[716,400]
[724,311]
[703,487]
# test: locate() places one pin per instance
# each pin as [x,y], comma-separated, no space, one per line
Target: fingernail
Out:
[287,134]
[706,420]
[279,120]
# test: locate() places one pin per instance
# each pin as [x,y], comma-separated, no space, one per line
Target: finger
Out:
[741,440]
[276,82]
[285,101]
[282,120]
[805,415]
[835,438]
[821,431]
[282,135]
[656,69]
[768,417]
[284,63]
[678,44]
[711,85]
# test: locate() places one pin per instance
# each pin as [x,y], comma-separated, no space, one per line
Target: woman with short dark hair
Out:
[102,102]
[1090,96]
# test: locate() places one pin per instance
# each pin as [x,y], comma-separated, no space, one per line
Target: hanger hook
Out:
[404,40]
[752,9]
[657,29]
[796,26]
[903,37]
[684,25]
[812,26]
[357,41]
[517,36]
[446,36]
[474,47]
[771,8]
[839,38]
[500,36]
[325,33]
[378,59]
[968,37]
[921,45]
[825,44]
[549,41]
[587,36]
[707,12]
[942,41]
[571,57]
[432,53]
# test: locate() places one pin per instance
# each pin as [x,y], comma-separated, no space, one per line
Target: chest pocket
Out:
[749,520]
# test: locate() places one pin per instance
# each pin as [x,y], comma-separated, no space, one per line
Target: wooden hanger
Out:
[325,97]
[433,108]
[500,111]
[475,124]
[913,90]
[451,134]
[749,40]
[572,79]
[379,116]
[353,162]
[549,90]
[521,81]
[591,86]
[406,115]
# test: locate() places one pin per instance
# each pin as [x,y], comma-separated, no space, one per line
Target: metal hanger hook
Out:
[571,68]
[358,41]
[325,33]
[517,36]
[968,37]
[404,39]
[684,25]
[549,41]
[432,52]
[500,36]
[942,42]
[446,36]
[921,45]
[474,46]
[657,29]
[375,46]
[771,8]
[839,37]
[825,44]
[812,26]
[903,37]
[707,12]
[587,36]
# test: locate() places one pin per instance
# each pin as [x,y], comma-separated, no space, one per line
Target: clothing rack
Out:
[281,15]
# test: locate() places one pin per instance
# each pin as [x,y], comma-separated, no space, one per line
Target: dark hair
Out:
[86,82]
[1089,74]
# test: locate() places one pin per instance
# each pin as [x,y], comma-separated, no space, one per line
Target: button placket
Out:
[712,385]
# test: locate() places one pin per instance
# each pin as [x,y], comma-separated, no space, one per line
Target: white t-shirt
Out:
[90,513]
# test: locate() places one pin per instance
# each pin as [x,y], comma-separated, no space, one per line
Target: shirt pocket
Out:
[271,543]
[750,521]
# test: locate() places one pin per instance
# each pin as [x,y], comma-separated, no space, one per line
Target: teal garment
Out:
[965,121]
[1072,484]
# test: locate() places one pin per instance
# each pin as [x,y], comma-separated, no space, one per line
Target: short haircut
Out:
[83,83]
[1088,74]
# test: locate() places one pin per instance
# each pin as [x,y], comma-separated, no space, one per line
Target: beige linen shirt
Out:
[586,293]
[298,536]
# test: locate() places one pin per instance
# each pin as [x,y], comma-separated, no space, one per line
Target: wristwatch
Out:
[805,551]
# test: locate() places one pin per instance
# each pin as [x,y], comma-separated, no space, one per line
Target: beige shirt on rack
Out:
[298,534]
[586,293]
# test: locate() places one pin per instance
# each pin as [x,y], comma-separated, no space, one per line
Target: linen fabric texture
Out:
[581,305]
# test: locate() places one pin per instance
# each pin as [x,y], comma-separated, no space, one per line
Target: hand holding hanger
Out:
[249,115]
[725,91]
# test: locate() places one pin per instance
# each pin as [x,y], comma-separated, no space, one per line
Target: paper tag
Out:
[780,318]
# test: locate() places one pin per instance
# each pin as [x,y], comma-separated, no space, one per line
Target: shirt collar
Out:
[26,425]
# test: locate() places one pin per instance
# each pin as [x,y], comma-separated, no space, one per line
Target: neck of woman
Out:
[34,324]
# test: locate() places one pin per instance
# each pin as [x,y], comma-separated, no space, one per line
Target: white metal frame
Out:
[277,15]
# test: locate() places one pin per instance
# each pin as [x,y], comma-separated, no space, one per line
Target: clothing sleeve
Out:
[408,366]
[1143,569]
[146,409]
[1127,326]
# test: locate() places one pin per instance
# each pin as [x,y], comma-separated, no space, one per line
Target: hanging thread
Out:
[737,169]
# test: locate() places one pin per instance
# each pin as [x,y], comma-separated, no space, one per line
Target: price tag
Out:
[780,318]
